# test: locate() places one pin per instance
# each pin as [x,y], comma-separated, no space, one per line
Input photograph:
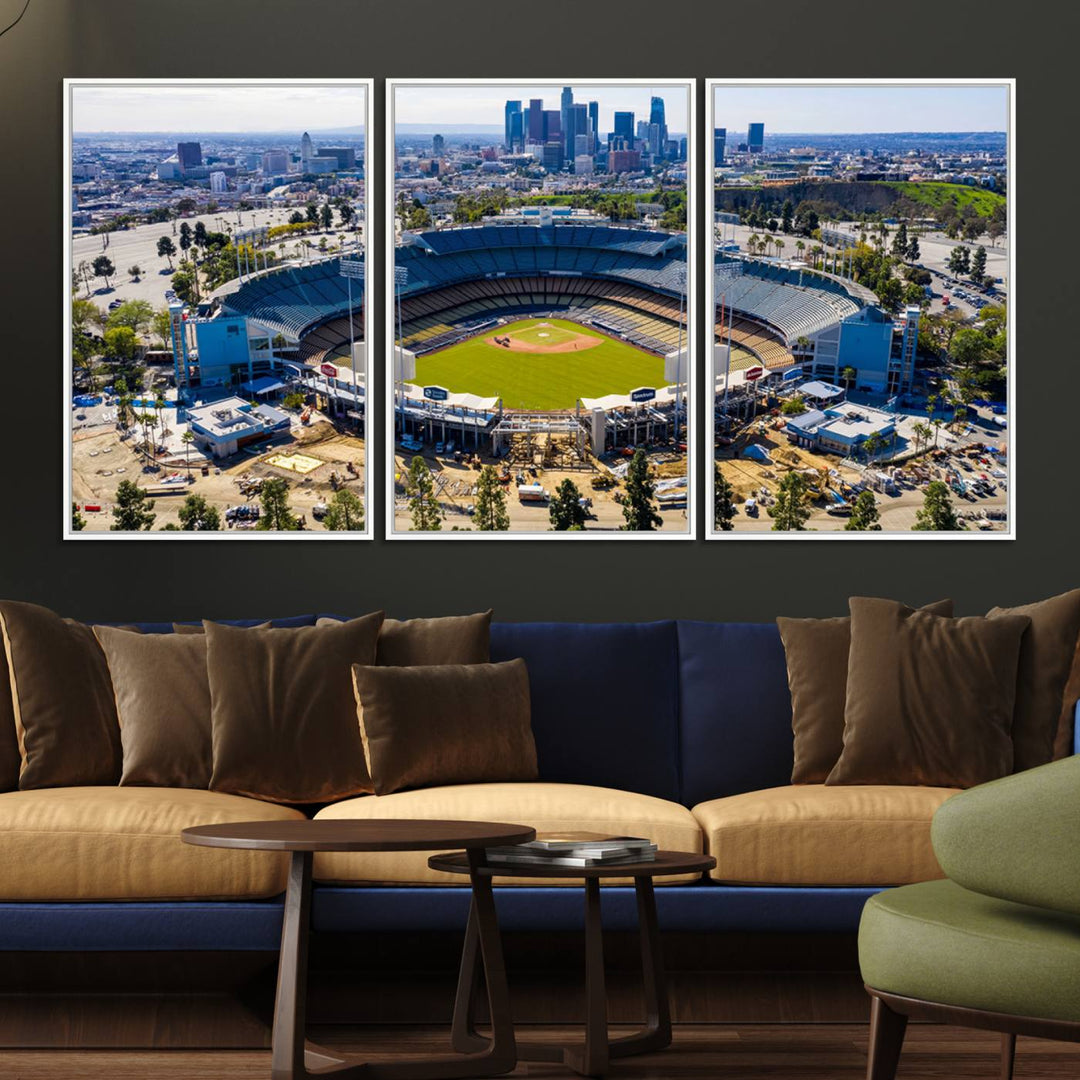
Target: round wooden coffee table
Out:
[291,1057]
[591,1058]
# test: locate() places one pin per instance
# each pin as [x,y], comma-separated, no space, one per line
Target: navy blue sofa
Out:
[685,711]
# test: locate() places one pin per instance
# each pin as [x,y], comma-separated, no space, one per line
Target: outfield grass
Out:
[527,380]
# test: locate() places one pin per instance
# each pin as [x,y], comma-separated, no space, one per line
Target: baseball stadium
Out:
[790,319]
[572,332]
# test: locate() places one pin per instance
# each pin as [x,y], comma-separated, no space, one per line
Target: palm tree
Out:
[751,244]
[779,245]
[187,439]
[800,247]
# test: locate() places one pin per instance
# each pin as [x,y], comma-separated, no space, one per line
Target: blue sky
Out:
[484,104]
[862,108]
[220,107]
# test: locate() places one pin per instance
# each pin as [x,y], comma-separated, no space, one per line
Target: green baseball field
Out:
[540,364]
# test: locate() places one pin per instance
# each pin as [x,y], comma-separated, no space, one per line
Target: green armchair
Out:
[997,944]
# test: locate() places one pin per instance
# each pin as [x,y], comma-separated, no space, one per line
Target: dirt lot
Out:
[100,460]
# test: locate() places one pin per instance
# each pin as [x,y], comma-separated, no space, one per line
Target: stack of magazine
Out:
[575,849]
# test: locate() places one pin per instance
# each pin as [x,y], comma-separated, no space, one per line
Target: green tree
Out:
[937,513]
[489,514]
[326,216]
[187,439]
[276,515]
[185,237]
[723,501]
[638,509]
[161,324]
[345,512]
[848,375]
[296,218]
[565,510]
[311,213]
[197,515]
[294,399]
[183,281]
[120,343]
[135,272]
[166,249]
[345,212]
[103,268]
[133,509]
[978,264]
[864,514]
[959,260]
[794,406]
[790,513]
[420,487]
[199,236]
[900,241]
[137,314]
[78,522]
[913,252]
[787,214]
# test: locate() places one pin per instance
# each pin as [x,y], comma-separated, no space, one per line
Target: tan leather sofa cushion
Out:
[123,843]
[810,834]
[546,807]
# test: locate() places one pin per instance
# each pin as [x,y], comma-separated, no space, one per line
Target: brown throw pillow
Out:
[62,696]
[453,639]
[9,740]
[929,700]
[198,628]
[1046,658]
[283,713]
[817,661]
[445,724]
[163,702]
[1066,729]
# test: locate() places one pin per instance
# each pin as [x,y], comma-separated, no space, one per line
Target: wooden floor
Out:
[724,1052]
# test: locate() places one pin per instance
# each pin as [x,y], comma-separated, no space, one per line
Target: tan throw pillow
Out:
[445,724]
[197,628]
[1046,658]
[816,651]
[65,716]
[163,703]
[283,713]
[929,700]
[9,740]
[453,639]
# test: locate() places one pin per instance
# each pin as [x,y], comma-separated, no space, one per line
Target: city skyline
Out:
[223,108]
[485,104]
[795,108]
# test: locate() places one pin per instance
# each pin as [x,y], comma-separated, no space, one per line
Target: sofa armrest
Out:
[1017,838]
[1076,729]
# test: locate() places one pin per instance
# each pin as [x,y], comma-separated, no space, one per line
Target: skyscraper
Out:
[594,123]
[624,128]
[575,123]
[554,147]
[656,112]
[512,135]
[566,103]
[189,155]
[307,151]
[438,145]
[755,138]
[719,144]
[535,127]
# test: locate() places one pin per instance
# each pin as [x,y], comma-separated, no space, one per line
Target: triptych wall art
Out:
[534,373]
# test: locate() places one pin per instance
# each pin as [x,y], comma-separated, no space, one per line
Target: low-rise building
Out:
[227,426]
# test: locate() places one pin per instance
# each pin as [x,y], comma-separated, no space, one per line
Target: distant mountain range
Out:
[211,136]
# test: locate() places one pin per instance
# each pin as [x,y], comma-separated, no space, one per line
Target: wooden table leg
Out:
[657,1031]
[592,1059]
[290,1011]
[294,1059]
[464,1037]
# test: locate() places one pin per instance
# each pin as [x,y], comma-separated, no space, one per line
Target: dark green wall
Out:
[527,580]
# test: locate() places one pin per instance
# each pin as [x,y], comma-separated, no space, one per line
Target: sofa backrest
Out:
[605,700]
[735,710]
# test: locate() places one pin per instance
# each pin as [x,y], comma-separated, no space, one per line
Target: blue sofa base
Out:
[254,926]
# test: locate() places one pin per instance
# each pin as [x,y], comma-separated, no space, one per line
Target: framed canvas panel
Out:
[540,317]
[861,309]
[215,285]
